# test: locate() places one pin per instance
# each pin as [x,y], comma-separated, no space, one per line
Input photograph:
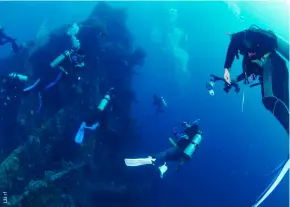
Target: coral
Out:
[38,192]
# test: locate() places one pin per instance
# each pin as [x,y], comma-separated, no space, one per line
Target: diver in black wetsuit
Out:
[4,39]
[262,52]
[182,150]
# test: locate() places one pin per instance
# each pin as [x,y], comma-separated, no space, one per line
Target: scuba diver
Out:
[74,56]
[160,103]
[264,56]
[187,143]
[4,39]
[98,118]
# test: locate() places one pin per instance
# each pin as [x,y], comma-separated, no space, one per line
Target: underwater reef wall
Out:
[41,163]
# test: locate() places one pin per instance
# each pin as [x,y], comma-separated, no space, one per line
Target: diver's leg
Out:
[158,159]
[172,154]
[275,89]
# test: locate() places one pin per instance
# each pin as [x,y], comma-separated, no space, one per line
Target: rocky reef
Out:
[41,163]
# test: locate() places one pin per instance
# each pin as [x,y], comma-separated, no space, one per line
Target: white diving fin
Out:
[139,161]
[163,169]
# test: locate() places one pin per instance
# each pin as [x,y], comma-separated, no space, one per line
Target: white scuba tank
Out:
[190,149]
[164,104]
[104,102]
[22,78]
[59,59]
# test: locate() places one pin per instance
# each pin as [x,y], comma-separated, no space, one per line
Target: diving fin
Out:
[163,169]
[139,161]
[80,134]
[32,86]
[282,172]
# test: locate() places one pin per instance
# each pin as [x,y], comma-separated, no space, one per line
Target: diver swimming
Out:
[97,118]
[264,58]
[160,103]
[75,57]
[187,143]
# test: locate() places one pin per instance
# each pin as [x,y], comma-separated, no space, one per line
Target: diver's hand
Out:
[227,76]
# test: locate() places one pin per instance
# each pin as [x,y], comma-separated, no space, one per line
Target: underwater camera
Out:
[227,87]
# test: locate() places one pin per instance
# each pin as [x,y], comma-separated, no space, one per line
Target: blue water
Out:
[239,148]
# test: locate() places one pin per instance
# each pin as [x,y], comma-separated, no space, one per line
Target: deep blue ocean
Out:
[240,147]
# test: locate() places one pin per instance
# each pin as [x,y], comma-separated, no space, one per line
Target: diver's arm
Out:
[233,47]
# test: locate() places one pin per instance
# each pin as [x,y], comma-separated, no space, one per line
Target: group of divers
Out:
[265,58]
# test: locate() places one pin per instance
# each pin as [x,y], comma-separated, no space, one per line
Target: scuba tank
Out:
[164,104]
[22,78]
[210,87]
[192,146]
[107,98]
[59,59]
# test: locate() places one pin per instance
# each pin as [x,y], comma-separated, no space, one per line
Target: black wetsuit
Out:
[176,153]
[253,44]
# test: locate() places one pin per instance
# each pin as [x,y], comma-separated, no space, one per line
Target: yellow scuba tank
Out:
[192,146]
